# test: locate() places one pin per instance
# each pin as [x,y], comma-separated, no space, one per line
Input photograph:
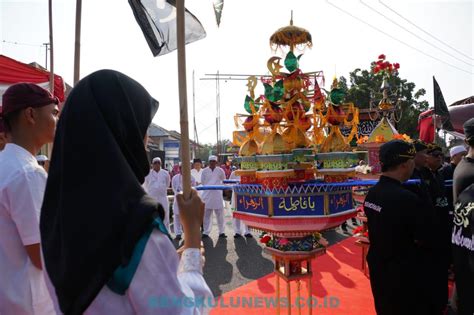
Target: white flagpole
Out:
[183,102]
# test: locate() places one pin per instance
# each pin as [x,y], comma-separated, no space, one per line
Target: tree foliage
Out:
[363,86]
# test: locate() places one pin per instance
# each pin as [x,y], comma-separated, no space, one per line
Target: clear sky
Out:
[112,39]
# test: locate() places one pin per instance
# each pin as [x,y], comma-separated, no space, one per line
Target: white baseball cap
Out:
[456,150]
[42,158]
[212,158]
[157,159]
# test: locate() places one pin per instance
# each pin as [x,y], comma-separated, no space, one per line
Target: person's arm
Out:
[162,279]
[26,196]
[168,180]
[34,252]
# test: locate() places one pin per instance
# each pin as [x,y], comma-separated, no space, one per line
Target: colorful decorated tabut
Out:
[388,109]
[292,149]
[292,152]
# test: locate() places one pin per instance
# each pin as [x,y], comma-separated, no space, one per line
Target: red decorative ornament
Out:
[382,56]
[249,123]
[265,239]
[297,109]
[273,115]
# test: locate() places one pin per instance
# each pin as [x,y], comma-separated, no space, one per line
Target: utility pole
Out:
[196,139]
[46,48]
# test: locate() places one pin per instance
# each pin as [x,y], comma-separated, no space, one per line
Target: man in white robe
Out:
[213,175]
[156,185]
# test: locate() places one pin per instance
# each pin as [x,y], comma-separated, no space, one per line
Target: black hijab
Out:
[94,209]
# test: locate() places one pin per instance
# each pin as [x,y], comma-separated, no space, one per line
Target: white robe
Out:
[177,185]
[156,185]
[197,175]
[213,198]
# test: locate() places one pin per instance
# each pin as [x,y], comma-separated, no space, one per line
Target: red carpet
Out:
[339,287]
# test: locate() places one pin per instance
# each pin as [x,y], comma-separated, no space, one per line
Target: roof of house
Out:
[156,131]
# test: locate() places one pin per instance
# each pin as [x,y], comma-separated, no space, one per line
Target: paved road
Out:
[233,262]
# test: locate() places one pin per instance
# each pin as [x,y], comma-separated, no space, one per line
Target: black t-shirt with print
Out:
[463,176]
[463,250]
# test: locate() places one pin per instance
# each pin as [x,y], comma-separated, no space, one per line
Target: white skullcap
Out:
[456,150]
[157,159]
[212,158]
[42,158]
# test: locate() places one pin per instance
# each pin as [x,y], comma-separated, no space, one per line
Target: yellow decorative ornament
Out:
[273,65]
[274,144]
[251,85]
[249,148]
[291,36]
[295,137]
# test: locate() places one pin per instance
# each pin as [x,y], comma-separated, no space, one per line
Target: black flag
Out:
[157,19]
[440,107]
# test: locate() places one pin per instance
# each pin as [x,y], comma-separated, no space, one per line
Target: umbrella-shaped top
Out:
[291,35]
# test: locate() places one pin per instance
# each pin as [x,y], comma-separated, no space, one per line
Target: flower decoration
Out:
[283,241]
[384,67]
[362,140]
[265,239]
[304,244]
[403,137]
[379,139]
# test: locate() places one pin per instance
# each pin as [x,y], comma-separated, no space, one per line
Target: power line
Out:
[427,33]
[23,44]
[396,39]
[414,34]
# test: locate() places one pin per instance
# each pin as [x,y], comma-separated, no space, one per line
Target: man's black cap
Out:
[396,152]
[433,147]
[420,145]
[469,129]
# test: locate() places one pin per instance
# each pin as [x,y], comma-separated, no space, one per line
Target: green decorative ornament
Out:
[336,96]
[291,62]
[275,93]
[249,103]
[278,91]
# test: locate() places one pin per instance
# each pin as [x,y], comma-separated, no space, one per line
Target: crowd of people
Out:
[158,181]
[421,232]
[95,237]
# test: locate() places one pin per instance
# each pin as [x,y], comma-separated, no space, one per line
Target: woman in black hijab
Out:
[96,218]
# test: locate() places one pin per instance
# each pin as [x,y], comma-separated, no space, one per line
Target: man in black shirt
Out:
[464,173]
[434,204]
[463,230]
[399,229]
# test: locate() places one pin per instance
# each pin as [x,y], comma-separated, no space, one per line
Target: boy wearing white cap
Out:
[213,175]
[156,185]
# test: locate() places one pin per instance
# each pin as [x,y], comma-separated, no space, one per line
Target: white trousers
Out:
[166,221]
[208,220]
[178,228]
[240,227]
